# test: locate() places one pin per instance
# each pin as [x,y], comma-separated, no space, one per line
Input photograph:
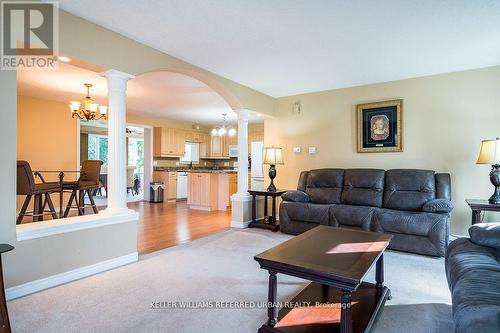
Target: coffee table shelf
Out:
[367,301]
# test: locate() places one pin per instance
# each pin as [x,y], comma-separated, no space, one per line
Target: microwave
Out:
[233,150]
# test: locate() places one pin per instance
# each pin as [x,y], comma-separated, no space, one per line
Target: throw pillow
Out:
[296,196]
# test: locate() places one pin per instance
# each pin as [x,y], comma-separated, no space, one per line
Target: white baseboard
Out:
[240,225]
[58,279]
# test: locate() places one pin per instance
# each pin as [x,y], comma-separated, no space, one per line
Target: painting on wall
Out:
[380,126]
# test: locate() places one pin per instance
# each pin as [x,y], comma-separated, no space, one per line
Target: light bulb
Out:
[103,109]
[214,131]
[74,106]
[93,107]
[231,132]
[222,131]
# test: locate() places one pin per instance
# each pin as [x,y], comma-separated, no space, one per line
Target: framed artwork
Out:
[380,126]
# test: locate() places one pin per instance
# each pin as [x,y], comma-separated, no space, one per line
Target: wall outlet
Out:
[177,163]
[226,163]
[312,150]
[297,150]
[155,163]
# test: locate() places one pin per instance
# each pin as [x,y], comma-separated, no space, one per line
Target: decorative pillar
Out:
[241,201]
[117,150]
[243,152]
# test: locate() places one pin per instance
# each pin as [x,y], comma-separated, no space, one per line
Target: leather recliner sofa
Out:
[413,205]
[473,272]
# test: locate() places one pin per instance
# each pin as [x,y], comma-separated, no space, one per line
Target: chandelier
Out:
[223,129]
[88,110]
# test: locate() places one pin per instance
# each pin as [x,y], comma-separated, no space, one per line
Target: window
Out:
[192,153]
[136,154]
[98,148]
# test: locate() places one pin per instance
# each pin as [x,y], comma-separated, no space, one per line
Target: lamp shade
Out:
[490,152]
[273,155]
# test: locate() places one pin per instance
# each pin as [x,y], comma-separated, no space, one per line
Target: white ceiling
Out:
[285,47]
[157,94]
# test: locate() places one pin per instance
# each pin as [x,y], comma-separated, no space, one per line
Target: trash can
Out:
[156,191]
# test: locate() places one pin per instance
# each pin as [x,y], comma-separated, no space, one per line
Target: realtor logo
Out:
[29,35]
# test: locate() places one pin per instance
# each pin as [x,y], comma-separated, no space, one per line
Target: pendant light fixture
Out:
[87,109]
[223,129]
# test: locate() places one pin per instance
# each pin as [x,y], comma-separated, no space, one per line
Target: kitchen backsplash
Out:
[173,162]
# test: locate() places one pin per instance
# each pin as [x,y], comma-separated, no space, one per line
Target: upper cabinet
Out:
[168,142]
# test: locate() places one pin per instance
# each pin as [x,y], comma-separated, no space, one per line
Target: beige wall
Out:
[445,118]
[46,138]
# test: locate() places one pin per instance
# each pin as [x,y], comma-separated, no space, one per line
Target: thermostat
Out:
[297,150]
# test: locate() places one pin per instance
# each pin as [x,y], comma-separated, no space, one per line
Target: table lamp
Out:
[490,154]
[272,156]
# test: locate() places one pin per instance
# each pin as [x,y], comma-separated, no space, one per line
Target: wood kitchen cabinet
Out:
[202,191]
[169,180]
[168,142]
[216,145]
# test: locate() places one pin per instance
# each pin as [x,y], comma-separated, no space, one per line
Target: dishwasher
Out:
[182,177]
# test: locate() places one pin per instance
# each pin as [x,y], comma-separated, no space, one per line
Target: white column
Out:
[241,200]
[242,152]
[117,163]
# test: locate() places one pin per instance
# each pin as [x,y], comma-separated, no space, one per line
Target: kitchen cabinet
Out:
[202,191]
[216,145]
[211,190]
[169,180]
[195,136]
[168,142]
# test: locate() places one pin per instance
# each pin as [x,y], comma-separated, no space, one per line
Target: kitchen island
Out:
[211,189]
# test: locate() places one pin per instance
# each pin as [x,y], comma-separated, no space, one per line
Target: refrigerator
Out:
[257,166]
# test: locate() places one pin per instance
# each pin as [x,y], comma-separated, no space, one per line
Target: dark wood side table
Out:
[271,223]
[477,206]
[4,324]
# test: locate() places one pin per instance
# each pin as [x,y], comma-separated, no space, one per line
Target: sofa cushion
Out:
[324,186]
[297,196]
[438,206]
[443,186]
[351,216]
[486,234]
[432,226]
[307,212]
[407,189]
[364,187]
[473,273]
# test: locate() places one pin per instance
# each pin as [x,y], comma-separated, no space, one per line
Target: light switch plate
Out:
[297,150]
[312,150]
[226,163]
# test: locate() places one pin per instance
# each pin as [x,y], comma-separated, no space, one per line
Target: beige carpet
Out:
[218,268]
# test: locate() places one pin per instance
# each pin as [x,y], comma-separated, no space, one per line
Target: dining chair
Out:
[130,179]
[87,183]
[41,192]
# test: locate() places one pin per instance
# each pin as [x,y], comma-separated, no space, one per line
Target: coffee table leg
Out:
[345,313]
[272,310]
[379,272]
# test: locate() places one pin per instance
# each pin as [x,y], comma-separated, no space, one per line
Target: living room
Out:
[381,125]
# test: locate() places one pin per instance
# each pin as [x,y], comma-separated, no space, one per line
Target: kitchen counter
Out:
[195,170]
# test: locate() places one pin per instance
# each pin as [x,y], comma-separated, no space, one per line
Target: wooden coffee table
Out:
[336,260]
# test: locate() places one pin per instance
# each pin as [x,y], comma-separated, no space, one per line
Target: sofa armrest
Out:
[486,234]
[438,206]
[296,196]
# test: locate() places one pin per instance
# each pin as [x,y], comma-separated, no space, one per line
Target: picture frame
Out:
[380,126]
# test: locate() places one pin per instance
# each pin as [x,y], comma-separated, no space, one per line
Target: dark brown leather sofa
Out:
[413,205]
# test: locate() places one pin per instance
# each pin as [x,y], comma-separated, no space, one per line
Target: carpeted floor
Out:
[218,268]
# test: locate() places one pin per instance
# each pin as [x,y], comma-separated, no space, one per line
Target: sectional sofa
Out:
[413,205]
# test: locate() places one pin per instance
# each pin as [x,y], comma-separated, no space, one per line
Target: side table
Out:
[477,206]
[271,223]
[4,314]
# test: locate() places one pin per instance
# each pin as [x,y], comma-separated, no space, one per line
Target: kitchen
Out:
[199,165]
